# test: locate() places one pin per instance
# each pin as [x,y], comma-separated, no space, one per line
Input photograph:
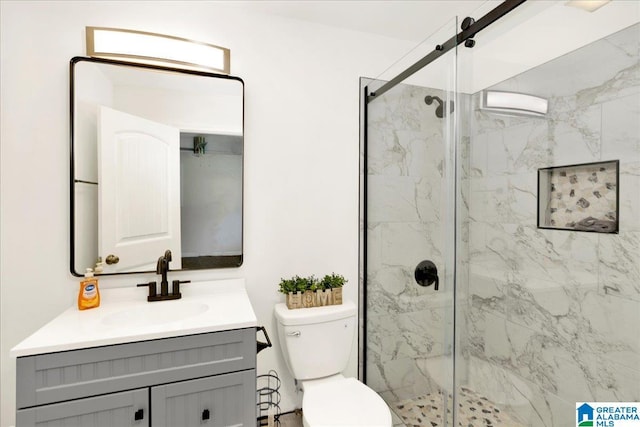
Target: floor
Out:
[475,411]
[426,411]
[292,419]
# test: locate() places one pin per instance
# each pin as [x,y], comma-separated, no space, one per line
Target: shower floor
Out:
[475,411]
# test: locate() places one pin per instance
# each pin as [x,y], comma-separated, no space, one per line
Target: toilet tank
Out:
[316,342]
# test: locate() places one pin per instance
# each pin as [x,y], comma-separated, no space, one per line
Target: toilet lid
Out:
[344,402]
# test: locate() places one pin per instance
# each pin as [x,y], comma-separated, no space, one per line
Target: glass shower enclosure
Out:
[485,297]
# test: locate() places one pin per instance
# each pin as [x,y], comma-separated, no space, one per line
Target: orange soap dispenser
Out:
[89,295]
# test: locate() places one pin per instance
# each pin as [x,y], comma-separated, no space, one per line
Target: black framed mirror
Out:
[156,164]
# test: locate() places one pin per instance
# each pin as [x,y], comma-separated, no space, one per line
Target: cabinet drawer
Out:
[56,377]
[124,409]
[223,400]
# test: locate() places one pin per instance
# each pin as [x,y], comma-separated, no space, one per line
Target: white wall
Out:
[189,110]
[301,158]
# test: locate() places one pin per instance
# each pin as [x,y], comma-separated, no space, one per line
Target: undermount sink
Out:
[156,313]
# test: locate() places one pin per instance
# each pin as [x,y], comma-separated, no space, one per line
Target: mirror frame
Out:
[72,178]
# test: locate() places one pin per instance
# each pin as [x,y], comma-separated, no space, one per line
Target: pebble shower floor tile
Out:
[475,411]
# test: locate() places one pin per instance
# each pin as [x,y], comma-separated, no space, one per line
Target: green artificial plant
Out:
[311,283]
[332,280]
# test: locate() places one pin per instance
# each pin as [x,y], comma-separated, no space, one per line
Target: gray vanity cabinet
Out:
[115,409]
[195,380]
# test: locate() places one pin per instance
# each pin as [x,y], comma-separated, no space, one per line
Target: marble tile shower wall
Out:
[406,324]
[557,311]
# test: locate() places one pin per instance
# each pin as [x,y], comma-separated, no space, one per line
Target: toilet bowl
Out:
[316,344]
[343,401]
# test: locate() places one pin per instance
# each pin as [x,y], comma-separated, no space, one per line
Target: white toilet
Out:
[316,343]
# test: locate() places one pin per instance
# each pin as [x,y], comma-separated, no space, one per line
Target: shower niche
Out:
[581,197]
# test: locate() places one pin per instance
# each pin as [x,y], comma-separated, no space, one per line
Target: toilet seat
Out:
[343,402]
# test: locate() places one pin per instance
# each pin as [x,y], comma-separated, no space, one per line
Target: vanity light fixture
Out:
[156,49]
[512,103]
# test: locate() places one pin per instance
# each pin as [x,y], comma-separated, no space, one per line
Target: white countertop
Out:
[125,316]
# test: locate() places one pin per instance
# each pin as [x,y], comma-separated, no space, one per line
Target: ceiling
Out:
[536,32]
[398,19]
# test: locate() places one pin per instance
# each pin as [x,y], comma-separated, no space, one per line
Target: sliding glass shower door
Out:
[409,235]
[525,325]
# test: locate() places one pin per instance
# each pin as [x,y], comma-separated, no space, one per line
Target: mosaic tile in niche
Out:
[581,194]
[583,203]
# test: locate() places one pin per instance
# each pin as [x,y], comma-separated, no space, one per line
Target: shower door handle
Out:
[426,274]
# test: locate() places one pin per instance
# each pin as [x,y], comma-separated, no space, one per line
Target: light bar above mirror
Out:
[156,49]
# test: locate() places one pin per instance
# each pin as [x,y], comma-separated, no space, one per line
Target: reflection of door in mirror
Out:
[139,211]
[206,112]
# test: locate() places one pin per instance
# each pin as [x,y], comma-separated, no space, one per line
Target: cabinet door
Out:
[222,400]
[130,408]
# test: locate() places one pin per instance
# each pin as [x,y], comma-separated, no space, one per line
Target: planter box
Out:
[309,299]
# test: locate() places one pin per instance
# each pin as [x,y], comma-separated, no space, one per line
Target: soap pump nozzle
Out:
[99,265]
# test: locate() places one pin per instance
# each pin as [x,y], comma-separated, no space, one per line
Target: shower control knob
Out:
[426,274]
[112,259]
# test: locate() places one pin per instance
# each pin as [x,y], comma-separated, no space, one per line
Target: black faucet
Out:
[162,268]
